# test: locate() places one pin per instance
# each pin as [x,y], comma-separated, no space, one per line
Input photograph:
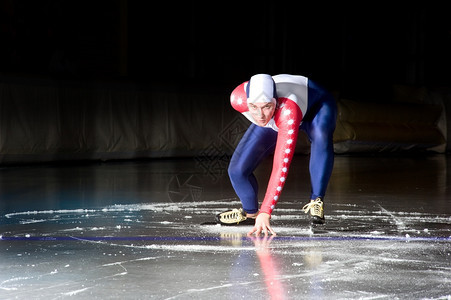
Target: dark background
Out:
[359,50]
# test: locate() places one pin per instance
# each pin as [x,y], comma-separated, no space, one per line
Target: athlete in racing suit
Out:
[278,107]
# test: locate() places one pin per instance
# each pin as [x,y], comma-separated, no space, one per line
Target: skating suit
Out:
[300,104]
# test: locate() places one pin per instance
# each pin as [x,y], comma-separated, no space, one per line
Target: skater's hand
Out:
[262,225]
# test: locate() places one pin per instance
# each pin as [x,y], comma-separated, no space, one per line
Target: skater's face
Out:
[262,112]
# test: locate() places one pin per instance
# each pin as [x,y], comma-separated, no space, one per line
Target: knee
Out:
[234,171]
[322,135]
[237,172]
[322,140]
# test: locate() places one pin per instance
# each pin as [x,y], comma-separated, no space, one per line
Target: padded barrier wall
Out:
[43,120]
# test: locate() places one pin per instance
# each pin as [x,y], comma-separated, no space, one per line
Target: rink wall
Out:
[46,120]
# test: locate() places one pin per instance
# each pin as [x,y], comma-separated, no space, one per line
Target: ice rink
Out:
[131,230]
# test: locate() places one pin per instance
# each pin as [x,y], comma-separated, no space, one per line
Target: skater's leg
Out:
[320,131]
[256,144]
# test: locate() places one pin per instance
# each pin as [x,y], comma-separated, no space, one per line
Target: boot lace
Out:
[315,207]
[233,216]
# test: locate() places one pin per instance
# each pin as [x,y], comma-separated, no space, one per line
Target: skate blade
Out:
[317,228]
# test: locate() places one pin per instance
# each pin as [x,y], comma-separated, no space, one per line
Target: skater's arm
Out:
[288,119]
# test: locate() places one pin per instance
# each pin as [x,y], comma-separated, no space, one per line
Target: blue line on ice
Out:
[184,238]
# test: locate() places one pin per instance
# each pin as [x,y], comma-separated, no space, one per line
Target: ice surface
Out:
[366,253]
[99,234]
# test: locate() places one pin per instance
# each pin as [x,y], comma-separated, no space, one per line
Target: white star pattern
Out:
[289,122]
[236,99]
